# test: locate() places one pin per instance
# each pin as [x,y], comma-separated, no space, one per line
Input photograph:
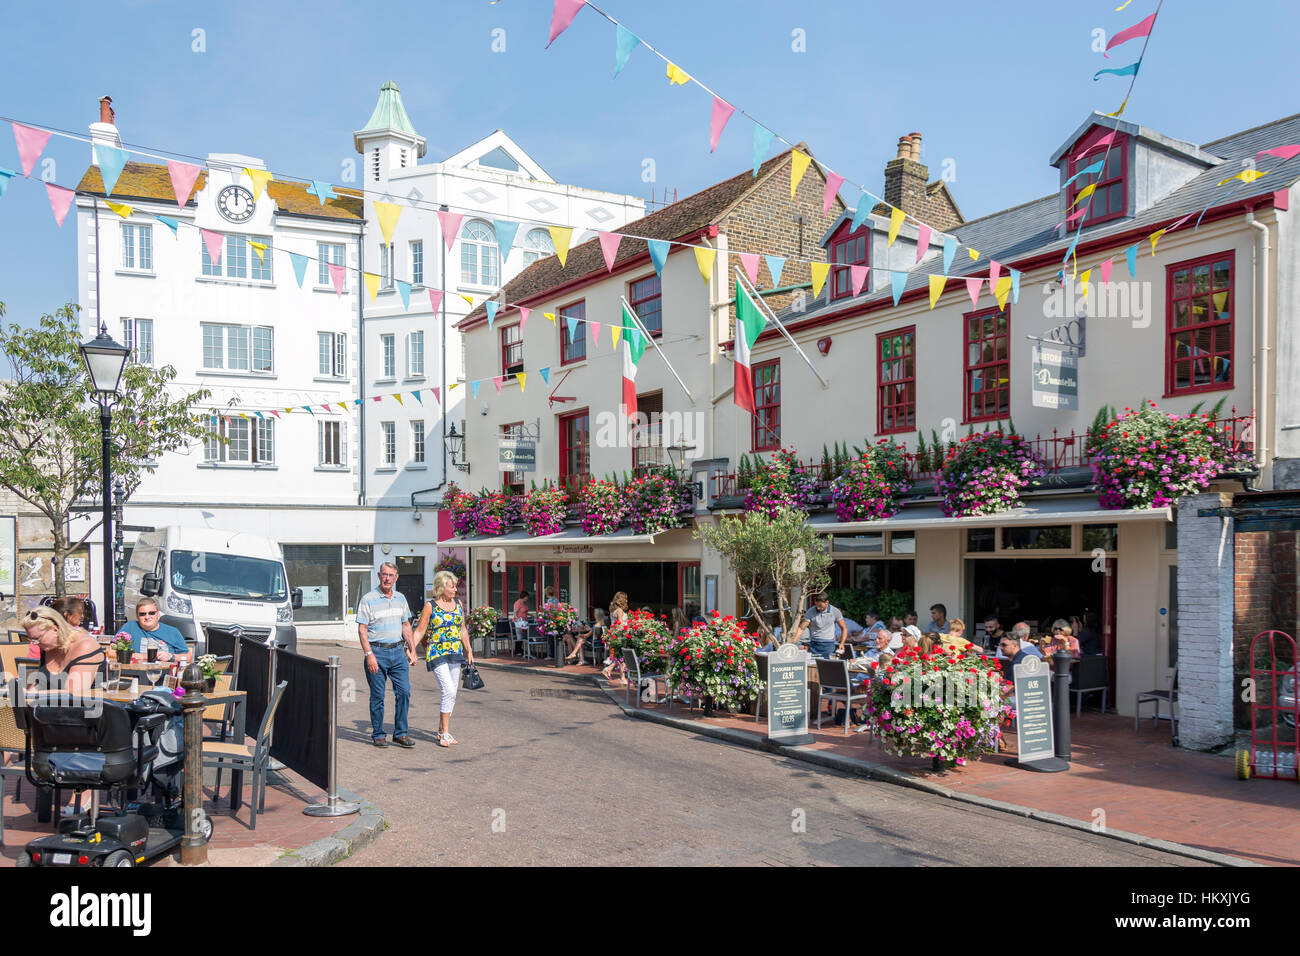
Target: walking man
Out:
[384,625]
[822,620]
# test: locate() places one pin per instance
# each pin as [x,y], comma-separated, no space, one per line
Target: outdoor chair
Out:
[13,743]
[10,655]
[219,713]
[636,679]
[1157,697]
[239,756]
[531,636]
[501,633]
[761,661]
[1091,674]
[833,677]
[596,644]
[15,636]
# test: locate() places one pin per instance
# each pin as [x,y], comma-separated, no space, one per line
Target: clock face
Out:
[235,203]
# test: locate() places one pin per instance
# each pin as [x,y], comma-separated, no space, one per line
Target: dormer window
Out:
[847,249]
[1110,199]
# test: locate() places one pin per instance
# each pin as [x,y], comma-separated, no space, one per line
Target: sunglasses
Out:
[146,613]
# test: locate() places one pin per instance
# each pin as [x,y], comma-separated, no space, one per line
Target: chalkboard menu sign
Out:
[787,696]
[1034,710]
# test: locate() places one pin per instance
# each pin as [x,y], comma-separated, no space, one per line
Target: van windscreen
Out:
[228,575]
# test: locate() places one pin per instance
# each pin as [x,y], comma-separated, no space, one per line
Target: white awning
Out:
[1034,511]
[518,539]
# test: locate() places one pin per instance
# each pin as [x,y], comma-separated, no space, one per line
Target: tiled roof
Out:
[682,218]
[150,181]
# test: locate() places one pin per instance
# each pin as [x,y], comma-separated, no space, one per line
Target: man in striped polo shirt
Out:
[384,625]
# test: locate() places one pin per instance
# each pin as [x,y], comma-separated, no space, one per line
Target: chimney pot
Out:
[904,148]
[916,146]
[106,112]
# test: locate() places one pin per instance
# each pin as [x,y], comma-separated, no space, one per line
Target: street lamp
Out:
[105,360]
[456,442]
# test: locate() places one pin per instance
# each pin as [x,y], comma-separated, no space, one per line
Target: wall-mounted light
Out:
[455,443]
[824,345]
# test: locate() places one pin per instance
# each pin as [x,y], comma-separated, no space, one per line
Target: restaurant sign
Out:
[787,696]
[1034,738]
[1055,378]
[515,455]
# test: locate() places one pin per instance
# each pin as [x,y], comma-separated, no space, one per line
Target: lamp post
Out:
[455,442]
[105,360]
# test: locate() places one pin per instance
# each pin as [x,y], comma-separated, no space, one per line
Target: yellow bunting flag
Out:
[387,213]
[798,166]
[936,288]
[452,385]
[1084,193]
[1220,303]
[1155,237]
[819,273]
[550,317]
[677,76]
[260,249]
[343,405]
[1002,291]
[973,254]
[561,236]
[243,416]
[1083,279]
[523,377]
[1121,108]
[372,284]
[260,178]
[398,396]
[1246,176]
[468,298]
[704,259]
[121,208]
[614,332]
[896,217]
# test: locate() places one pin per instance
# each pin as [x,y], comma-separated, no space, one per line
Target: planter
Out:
[123,657]
[209,684]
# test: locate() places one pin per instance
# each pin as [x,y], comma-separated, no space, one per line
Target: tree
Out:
[50,442]
[780,552]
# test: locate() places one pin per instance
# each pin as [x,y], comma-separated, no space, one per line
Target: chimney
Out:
[106,112]
[905,177]
[104,131]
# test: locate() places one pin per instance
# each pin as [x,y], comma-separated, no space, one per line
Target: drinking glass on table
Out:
[154,670]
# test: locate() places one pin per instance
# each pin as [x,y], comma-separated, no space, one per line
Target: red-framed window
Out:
[1110,199]
[1199,325]
[896,381]
[573,348]
[648,439]
[505,585]
[987,335]
[646,298]
[575,448]
[767,405]
[847,249]
[512,349]
[512,482]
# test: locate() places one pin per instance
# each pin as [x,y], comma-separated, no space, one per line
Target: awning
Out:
[1034,511]
[518,539]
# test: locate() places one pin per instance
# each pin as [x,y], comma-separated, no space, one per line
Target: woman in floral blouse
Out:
[442,622]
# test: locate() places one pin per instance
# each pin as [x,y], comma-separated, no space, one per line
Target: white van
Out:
[203,577]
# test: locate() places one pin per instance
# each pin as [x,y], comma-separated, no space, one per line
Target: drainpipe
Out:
[361,359]
[1261,331]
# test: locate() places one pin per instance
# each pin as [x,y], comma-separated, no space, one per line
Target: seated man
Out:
[148,630]
[1021,635]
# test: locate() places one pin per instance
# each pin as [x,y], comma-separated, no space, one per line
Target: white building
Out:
[336,480]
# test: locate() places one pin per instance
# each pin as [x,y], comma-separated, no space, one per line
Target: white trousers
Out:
[448,675]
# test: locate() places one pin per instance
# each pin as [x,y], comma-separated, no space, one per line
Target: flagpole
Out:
[637,319]
[758,300]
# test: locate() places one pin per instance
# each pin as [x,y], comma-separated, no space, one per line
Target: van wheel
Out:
[206,829]
[118,858]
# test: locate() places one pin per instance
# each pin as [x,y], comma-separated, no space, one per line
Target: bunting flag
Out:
[31,143]
[995,270]
[704,259]
[260,178]
[545,373]
[1069,220]
[1120,111]
[336,276]
[183,177]
[449,223]
[749,324]
[561,236]
[214,241]
[861,212]
[677,76]
[762,143]
[609,247]
[437,393]
[1002,291]
[858,278]
[123,210]
[973,288]
[1015,286]
[833,183]
[615,330]
[936,288]
[1084,278]
[60,200]
[5,176]
[1105,270]
[404,290]
[595,333]
[749,262]
[435,300]
[573,327]
[896,217]
[897,282]
[799,161]
[506,230]
[1246,176]
[949,250]
[523,378]
[372,284]
[321,190]
[1130,70]
[922,241]
[974,256]
[625,41]
[1131,254]
[260,249]
[819,272]
[1086,171]
[418,399]
[658,253]
[1213,202]
[167,221]
[1140,29]
[497,380]
[469,299]
[549,316]
[1283,152]
[1083,193]
[1155,237]
[562,15]
[275,413]
[473,389]
[491,307]
[633,349]
[398,396]
[775,265]
[722,111]
[523,317]
[388,214]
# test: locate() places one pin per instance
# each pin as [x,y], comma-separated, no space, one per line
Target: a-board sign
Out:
[787,696]
[1033,678]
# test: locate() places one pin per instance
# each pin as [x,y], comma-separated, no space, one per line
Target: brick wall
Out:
[1206,562]
[1264,578]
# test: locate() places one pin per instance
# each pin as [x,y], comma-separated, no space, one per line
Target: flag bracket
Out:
[650,338]
[758,300]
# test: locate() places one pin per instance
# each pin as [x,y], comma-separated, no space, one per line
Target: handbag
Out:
[470,679]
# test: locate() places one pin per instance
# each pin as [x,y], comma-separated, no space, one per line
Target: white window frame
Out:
[249,347]
[256,435]
[332,444]
[235,264]
[386,255]
[332,348]
[479,255]
[388,444]
[417,262]
[327,254]
[137,248]
[137,335]
[538,244]
[388,356]
[415,354]
[418,441]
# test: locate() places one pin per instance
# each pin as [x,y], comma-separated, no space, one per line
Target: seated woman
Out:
[1062,639]
[574,639]
[70,658]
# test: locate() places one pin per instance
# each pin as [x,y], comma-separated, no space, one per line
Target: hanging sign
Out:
[515,455]
[1055,378]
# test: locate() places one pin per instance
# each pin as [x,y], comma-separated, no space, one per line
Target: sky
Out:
[994,89]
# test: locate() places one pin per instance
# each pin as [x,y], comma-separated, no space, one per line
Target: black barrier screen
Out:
[220,643]
[302,721]
[254,680]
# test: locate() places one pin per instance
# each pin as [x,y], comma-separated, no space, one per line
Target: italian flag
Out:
[633,347]
[749,323]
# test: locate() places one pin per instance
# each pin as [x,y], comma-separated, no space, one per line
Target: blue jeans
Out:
[392,666]
[822,648]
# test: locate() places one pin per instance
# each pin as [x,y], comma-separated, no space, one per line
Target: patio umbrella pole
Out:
[333,806]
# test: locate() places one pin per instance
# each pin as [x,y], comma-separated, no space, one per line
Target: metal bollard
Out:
[194,849]
[333,806]
[1061,722]
[272,647]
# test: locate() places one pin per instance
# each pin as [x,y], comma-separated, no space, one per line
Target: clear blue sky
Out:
[995,87]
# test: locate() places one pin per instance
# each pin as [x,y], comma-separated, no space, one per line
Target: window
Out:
[512,349]
[1108,200]
[847,248]
[137,247]
[317,567]
[767,403]
[478,253]
[417,262]
[896,381]
[575,449]
[1055,537]
[385,266]
[1199,325]
[331,444]
[648,438]
[238,348]
[988,365]
[537,245]
[138,335]
[240,260]
[259,267]
[388,346]
[333,354]
[248,441]
[415,355]
[327,254]
[573,348]
[417,441]
[512,482]
[646,301]
[388,432]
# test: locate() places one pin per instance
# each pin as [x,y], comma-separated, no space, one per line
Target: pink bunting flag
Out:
[973,287]
[327,408]
[609,248]
[183,177]
[437,395]
[1105,270]
[561,16]
[378,398]
[336,275]
[922,240]
[1070,218]
[523,317]
[722,111]
[750,261]
[275,413]
[995,270]
[1104,141]
[858,277]
[450,223]
[833,183]
[435,299]
[31,143]
[497,380]
[60,200]
[595,332]
[1140,29]
[213,241]
[1283,152]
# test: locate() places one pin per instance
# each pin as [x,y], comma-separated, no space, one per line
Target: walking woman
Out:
[617,615]
[442,622]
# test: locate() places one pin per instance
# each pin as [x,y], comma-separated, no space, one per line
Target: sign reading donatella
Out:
[1055,378]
